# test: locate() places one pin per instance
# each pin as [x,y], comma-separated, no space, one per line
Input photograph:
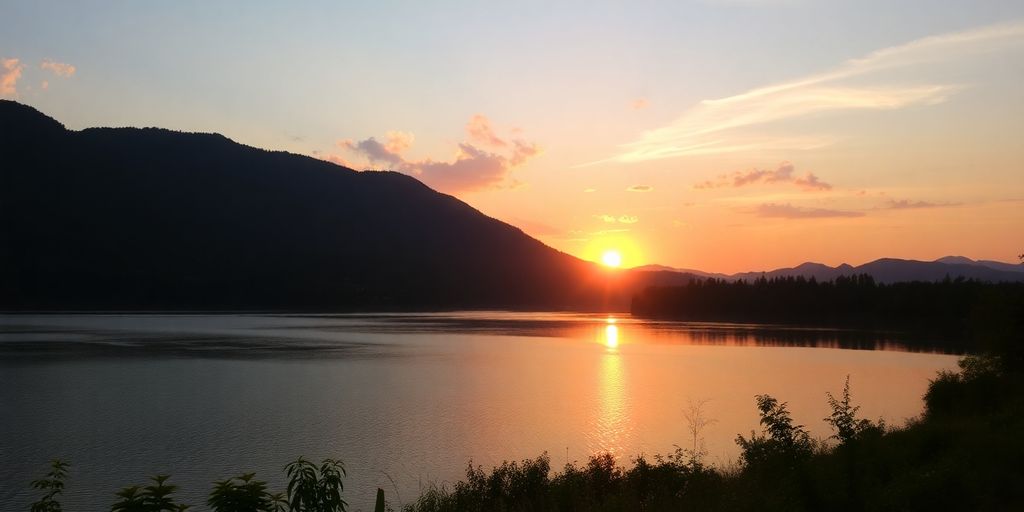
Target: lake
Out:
[405,400]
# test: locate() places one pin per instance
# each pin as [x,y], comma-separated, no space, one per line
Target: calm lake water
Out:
[408,398]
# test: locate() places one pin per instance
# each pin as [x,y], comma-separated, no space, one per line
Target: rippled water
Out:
[404,400]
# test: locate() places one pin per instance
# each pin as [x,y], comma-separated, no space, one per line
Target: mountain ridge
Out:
[885,270]
[148,218]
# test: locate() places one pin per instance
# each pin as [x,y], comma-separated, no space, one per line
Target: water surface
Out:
[404,400]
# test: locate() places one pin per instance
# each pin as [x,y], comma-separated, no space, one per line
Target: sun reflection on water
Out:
[612,425]
[611,336]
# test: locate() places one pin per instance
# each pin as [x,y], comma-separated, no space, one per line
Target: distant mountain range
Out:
[129,219]
[885,270]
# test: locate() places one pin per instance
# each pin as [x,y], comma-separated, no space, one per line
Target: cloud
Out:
[640,188]
[904,204]
[10,72]
[473,167]
[782,174]
[480,132]
[375,151]
[59,68]
[711,126]
[589,190]
[788,211]
[639,104]
[523,151]
[398,141]
[621,219]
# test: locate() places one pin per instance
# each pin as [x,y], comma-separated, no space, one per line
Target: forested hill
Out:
[952,306]
[127,218]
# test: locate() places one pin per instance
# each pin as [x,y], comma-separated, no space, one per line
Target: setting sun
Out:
[611,258]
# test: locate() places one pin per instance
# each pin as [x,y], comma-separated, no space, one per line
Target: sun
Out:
[611,258]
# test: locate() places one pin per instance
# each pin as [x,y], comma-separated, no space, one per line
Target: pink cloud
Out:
[904,204]
[782,174]
[59,68]
[473,167]
[788,211]
[639,104]
[480,132]
[9,75]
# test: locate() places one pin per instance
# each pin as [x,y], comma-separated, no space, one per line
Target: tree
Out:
[53,484]
[244,494]
[785,443]
[155,497]
[844,417]
[313,489]
[696,422]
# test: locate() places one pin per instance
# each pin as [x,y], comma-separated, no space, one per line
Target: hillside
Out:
[127,218]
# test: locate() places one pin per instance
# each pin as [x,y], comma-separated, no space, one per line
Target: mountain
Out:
[889,270]
[128,218]
[663,268]
[997,265]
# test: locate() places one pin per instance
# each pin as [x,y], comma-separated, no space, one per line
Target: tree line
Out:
[957,308]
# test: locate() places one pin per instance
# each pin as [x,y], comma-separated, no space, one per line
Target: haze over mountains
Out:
[885,270]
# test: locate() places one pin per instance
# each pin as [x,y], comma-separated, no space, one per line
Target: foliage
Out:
[244,494]
[156,497]
[316,489]
[844,419]
[53,485]
[784,441]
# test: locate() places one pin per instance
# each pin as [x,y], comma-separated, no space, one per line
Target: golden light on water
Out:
[612,428]
[611,335]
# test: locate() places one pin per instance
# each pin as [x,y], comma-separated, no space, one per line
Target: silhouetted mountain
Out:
[663,268]
[130,218]
[998,265]
[885,270]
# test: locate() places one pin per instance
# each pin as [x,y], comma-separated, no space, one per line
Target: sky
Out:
[720,135]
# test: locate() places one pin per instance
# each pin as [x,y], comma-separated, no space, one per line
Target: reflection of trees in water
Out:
[842,339]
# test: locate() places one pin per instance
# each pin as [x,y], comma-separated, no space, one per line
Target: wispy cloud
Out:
[58,68]
[621,219]
[782,174]
[640,104]
[788,211]
[905,204]
[483,161]
[640,188]
[712,125]
[10,73]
